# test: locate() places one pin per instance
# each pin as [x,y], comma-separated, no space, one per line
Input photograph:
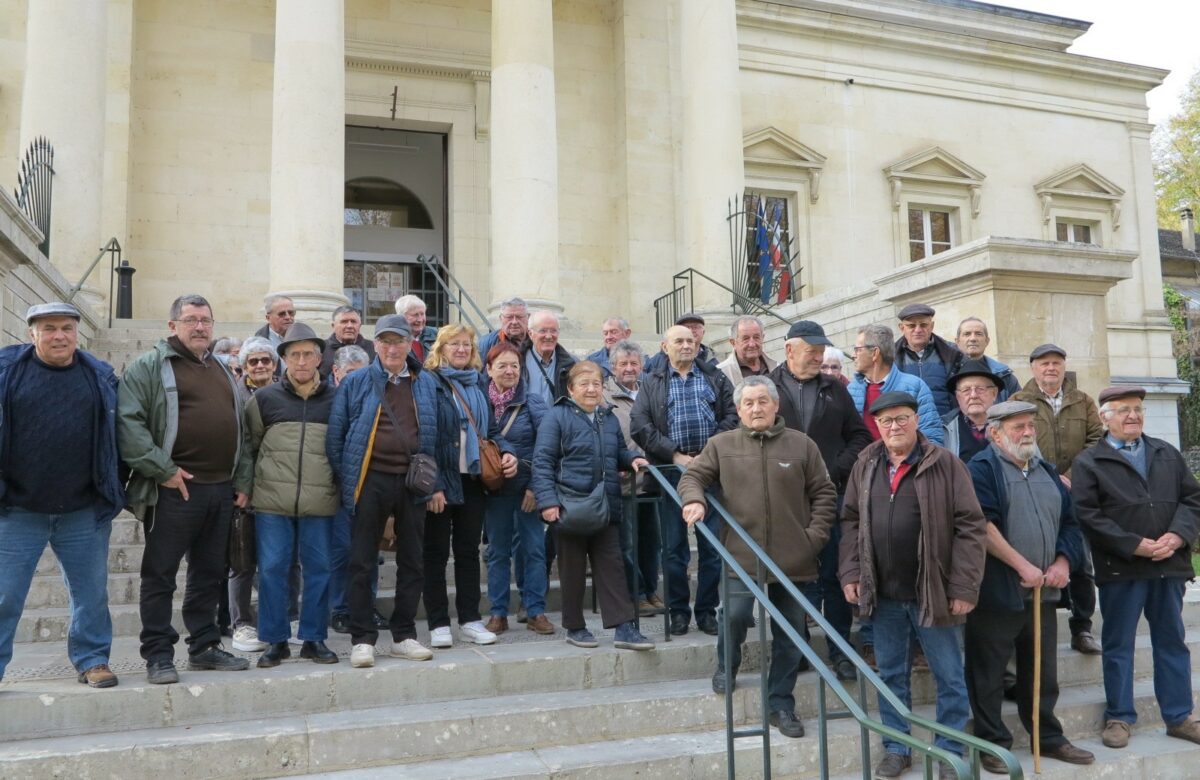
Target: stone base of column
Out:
[314,305]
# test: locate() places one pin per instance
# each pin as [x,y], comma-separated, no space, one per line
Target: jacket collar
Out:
[616,389]
[773,432]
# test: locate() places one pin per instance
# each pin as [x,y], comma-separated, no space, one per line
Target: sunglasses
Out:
[265,361]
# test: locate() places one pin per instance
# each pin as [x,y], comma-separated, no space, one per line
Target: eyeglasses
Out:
[899,421]
[969,391]
[830,366]
[301,356]
[262,361]
[192,322]
[286,313]
[1125,411]
[864,346]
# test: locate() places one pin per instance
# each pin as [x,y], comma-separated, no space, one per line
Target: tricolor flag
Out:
[785,277]
[762,243]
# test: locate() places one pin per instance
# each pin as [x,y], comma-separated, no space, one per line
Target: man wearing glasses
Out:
[179,429]
[875,373]
[280,312]
[976,389]
[1139,506]
[909,501]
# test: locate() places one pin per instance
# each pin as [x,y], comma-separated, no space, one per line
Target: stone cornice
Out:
[380,57]
[11,210]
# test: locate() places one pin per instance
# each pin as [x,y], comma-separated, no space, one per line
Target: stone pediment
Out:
[935,166]
[775,153]
[1080,181]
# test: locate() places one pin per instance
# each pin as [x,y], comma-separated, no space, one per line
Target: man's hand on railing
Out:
[639,464]
[851,592]
[960,607]
[550,514]
[694,512]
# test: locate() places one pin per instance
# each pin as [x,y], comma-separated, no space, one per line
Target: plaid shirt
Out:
[1055,401]
[691,418]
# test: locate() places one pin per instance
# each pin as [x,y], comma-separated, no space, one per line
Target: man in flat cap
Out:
[924,354]
[912,554]
[1067,423]
[59,482]
[1032,540]
[1139,506]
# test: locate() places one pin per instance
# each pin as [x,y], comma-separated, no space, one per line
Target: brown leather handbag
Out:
[491,472]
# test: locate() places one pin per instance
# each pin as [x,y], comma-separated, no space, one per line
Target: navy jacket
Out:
[448,443]
[355,415]
[525,412]
[106,463]
[648,420]
[1001,587]
[568,446]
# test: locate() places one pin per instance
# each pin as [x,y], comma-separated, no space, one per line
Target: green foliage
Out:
[1183,341]
[1177,158]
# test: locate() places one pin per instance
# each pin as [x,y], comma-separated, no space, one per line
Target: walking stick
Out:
[1037,678]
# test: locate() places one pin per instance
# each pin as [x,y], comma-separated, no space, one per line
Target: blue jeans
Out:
[637,522]
[895,623]
[81,545]
[786,658]
[278,537]
[339,564]
[1121,605]
[675,545]
[509,530]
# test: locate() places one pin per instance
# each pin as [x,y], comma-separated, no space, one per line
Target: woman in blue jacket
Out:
[580,442]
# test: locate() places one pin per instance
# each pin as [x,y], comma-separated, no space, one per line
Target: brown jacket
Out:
[953,533]
[776,485]
[1076,428]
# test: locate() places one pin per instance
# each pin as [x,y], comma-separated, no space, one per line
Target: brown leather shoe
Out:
[541,624]
[497,624]
[1189,730]
[919,662]
[1116,734]
[1069,753]
[1085,643]
[99,676]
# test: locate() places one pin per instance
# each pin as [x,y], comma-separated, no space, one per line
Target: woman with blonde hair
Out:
[456,509]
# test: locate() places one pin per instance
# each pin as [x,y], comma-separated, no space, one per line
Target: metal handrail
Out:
[856,709]
[684,282]
[113,249]
[438,269]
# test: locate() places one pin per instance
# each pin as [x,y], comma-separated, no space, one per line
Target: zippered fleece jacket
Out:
[775,484]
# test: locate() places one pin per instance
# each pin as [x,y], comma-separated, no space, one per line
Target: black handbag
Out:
[583,514]
[422,475]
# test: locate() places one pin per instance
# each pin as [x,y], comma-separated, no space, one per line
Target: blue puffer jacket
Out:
[929,420]
[355,414]
[106,462]
[526,413]
[448,443]
[568,445]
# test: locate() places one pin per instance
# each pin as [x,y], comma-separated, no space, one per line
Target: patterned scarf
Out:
[500,398]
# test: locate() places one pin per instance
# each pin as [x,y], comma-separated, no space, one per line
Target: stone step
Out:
[122,559]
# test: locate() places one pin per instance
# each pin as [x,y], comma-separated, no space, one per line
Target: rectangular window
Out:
[1074,232]
[929,232]
[775,239]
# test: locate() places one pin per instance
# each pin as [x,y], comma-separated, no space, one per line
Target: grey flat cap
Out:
[1041,350]
[1003,411]
[916,310]
[52,309]
[393,323]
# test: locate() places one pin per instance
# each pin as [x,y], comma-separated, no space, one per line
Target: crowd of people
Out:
[910,482]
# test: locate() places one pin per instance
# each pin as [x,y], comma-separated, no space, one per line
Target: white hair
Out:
[755,381]
[254,345]
[272,299]
[833,353]
[737,324]
[406,303]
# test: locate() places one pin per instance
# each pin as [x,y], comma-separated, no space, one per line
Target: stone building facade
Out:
[579,153]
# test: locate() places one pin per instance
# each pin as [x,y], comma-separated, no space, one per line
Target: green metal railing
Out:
[826,679]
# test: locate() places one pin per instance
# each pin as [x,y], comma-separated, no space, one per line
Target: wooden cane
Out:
[1037,678]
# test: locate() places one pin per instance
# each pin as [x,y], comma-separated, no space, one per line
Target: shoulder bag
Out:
[422,469]
[583,514]
[491,473]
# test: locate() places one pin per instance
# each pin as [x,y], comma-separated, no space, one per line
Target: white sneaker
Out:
[475,632]
[362,656]
[440,637]
[412,650]
[246,639]
[295,639]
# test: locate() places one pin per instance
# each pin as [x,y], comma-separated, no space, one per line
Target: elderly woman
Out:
[510,518]
[412,309]
[579,445]
[831,364]
[455,516]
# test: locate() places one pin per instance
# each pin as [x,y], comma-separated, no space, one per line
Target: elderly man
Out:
[1139,506]
[748,358]
[546,363]
[787,507]
[680,406]
[876,373]
[1068,422]
[972,339]
[926,355]
[382,415]
[1032,540]
[620,392]
[58,481]
[913,549]
[976,390]
[819,406]
[347,331]
[612,330]
[413,310]
[186,456]
[514,327]
[280,313]
[695,323]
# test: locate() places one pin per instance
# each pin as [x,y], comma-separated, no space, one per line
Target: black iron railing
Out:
[35,184]
[456,294]
[682,299]
[117,268]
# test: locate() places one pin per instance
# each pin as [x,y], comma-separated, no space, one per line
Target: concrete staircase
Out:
[526,707]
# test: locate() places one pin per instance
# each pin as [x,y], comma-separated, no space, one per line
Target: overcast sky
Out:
[1160,33]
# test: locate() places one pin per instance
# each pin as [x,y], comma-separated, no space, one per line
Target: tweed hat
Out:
[1041,350]
[1120,391]
[916,310]
[51,309]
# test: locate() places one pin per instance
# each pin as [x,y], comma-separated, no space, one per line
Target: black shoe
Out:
[718,681]
[893,765]
[274,655]
[787,723]
[318,653]
[216,659]
[845,670]
[380,621]
[679,625]
[161,671]
[992,764]
[339,623]
[707,624]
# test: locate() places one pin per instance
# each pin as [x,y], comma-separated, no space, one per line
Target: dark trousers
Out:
[677,556]
[459,528]
[1080,595]
[637,522]
[383,496]
[608,577]
[826,593]
[199,529]
[786,659]
[989,641]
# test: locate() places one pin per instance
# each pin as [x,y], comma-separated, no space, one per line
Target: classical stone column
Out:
[524,154]
[308,155]
[713,170]
[64,100]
